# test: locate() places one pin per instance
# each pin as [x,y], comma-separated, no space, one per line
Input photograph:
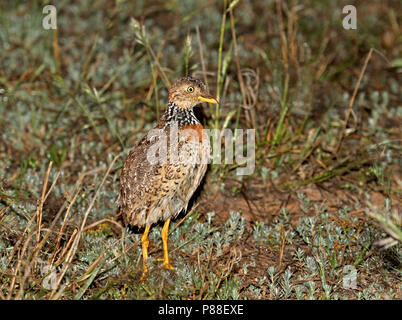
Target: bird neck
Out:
[182,117]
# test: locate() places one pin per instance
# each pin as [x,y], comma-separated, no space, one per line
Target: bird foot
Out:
[144,276]
[166,264]
[144,273]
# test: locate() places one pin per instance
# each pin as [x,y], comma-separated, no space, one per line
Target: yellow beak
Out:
[209,99]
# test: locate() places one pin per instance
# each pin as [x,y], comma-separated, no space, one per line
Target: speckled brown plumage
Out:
[158,188]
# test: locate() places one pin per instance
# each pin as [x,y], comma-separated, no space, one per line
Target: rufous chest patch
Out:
[194,131]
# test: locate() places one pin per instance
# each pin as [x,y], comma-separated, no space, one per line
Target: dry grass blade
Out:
[204,70]
[39,210]
[19,263]
[3,211]
[352,100]
[239,73]
[283,238]
[93,225]
[56,295]
[30,262]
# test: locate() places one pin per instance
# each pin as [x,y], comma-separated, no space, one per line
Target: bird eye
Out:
[190,89]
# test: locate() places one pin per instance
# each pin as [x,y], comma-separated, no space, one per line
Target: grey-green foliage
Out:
[232,231]
[286,284]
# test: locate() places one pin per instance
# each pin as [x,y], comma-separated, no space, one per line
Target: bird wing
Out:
[147,185]
[139,178]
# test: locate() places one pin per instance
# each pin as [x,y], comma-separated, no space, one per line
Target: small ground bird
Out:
[164,169]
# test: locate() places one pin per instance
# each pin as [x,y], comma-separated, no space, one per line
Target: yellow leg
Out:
[145,243]
[165,233]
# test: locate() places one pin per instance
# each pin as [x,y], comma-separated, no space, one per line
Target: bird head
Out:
[188,92]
